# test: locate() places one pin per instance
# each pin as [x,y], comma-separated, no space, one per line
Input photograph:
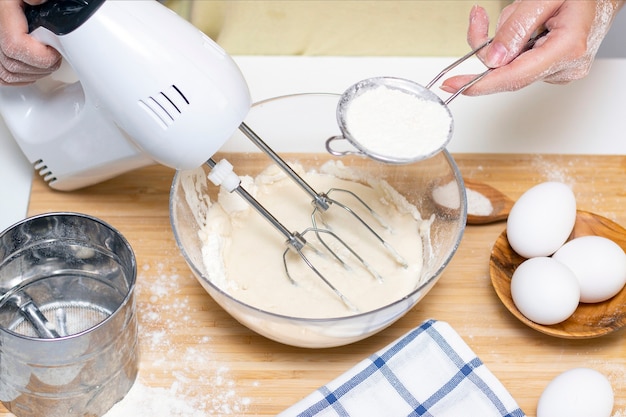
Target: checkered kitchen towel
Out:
[428,372]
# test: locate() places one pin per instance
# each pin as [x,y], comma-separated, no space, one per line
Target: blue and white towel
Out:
[428,372]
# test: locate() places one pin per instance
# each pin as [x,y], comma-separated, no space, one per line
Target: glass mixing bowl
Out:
[296,127]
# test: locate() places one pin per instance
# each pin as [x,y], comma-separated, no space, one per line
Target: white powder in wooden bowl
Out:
[395,124]
[447,196]
[478,204]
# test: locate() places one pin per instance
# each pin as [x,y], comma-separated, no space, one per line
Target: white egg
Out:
[541,220]
[598,263]
[544,290]
[579,392]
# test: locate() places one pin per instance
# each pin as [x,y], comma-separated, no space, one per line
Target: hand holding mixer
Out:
[151,88]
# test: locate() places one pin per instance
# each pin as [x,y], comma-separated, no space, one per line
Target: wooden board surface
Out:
[199,355]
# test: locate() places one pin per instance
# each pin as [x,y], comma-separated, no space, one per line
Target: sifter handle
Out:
[529,45]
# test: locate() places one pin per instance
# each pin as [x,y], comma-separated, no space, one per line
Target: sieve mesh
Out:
[67,318]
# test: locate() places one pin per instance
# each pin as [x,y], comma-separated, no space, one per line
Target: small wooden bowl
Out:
[590,319]
[501,203]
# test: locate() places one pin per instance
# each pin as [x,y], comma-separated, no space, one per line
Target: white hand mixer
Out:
[151,88]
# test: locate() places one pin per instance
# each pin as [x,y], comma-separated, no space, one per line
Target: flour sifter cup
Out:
[68,327]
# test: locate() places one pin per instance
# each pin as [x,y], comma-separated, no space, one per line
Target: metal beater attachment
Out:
[222,174]
[322,202]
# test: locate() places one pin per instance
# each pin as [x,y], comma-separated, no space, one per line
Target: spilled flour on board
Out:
[616,374]
[551,171]
[201,387]
[583,182]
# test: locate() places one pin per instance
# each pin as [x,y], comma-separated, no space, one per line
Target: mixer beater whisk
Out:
[222,174]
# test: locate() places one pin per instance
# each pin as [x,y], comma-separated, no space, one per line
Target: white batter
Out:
[243,253]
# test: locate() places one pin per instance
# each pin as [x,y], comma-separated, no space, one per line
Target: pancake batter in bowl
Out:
[243,253]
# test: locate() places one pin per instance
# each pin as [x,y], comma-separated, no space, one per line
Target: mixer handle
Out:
[62,16]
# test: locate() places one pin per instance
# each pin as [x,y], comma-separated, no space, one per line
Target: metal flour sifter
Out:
[68,326]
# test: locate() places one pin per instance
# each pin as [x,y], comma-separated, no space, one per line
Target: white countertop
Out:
[580,118]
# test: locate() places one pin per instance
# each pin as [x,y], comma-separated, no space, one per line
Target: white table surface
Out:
[584,117]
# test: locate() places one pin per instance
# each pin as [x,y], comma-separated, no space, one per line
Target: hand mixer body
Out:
[152,88]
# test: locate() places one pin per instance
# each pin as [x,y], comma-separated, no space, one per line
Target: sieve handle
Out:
[336,152]
[529,45]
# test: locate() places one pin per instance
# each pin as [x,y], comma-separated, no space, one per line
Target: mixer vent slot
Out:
[166,106]
[43,171]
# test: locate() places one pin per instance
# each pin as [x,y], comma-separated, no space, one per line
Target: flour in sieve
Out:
[395,124]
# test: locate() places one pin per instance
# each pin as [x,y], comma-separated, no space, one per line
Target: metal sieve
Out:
[413,89]
[68,328]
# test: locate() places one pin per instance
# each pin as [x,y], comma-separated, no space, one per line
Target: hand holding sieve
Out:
[419,141]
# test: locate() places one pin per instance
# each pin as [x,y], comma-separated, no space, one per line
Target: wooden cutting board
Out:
[202,357]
